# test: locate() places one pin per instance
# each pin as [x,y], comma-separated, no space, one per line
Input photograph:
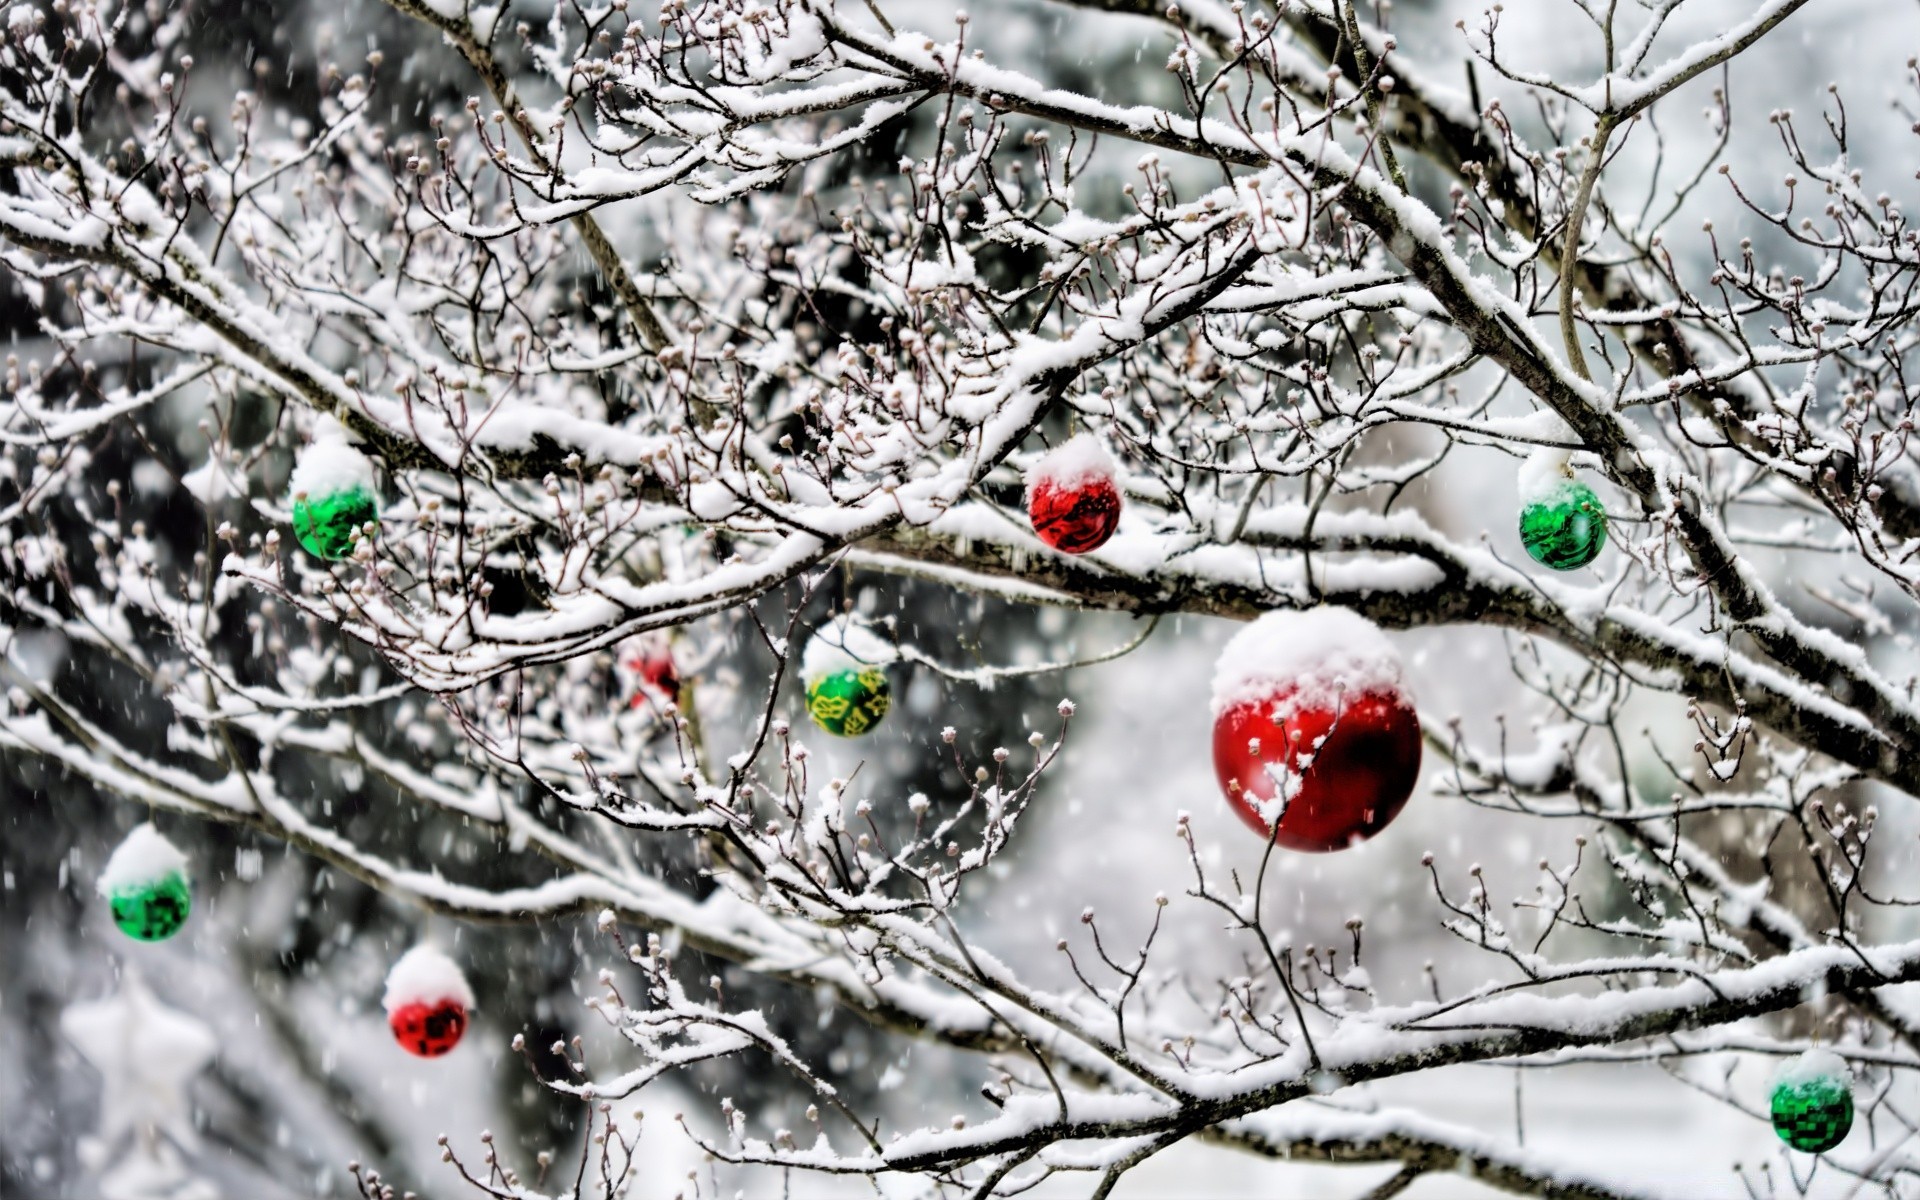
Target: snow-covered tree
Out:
[533,441]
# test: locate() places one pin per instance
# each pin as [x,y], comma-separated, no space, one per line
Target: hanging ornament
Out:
[332,488]
[1813,1101]
[1315,739]
[1072,497]
[145,885]
[427,1002]
[148,1056]
[844,670]
[651,673]
[1561,522]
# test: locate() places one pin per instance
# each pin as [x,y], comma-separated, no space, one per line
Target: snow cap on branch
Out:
[144,857]
[425,975]
[1320,654]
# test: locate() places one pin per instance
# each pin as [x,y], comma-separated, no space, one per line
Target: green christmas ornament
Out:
[849,703]
[1563,525]
[845,671]
[332,489]
[1813,1101]
[155,912]
[145,885]
[325,526]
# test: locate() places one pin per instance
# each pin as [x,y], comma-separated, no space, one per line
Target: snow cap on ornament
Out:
[1812,1101]
[844,670]
[333,493]
[1562,523]
[1073,497]
[427,1002]
[1315,739]
[146,887]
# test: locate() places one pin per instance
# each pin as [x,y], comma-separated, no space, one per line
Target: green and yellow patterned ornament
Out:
[333,498]
[145,885]
[849,703]
[845,672]
[1561,522]
[1813,1101]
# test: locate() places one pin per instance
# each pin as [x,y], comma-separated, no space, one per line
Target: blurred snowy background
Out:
[278,975]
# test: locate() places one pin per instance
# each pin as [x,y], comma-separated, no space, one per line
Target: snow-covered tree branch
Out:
[472,466]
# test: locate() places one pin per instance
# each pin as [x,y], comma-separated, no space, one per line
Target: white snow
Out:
[907,452]
[844,646]
[147,1054]
[1544,475]
[1321,652]
[1813,1066]
[425,975]
[211,482]
[329,467]
[143,857]
[1071,463]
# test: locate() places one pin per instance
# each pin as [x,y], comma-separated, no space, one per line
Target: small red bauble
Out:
[427,1002]
[1312,727]
[647,673]
[428,1030]
[1072,498]
[658,679]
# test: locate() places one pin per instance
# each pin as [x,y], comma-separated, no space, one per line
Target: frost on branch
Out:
[481,466]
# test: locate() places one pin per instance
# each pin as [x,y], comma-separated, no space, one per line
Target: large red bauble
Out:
[428,1030]
[1350,764]
[1075,519]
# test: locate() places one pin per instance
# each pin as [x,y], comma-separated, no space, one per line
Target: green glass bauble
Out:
[1813,1114]
[325,524]
[849,703]
[152,911]
[1565,529]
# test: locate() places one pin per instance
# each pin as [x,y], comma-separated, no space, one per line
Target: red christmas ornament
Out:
[656,675]
[1314,739]
[428,1030]
[1072,498]
[647,671]
[427,1002]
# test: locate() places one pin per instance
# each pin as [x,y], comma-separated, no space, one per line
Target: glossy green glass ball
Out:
[1565,529]
[153,911]
[1814,1114]
[849,703]
[325,524]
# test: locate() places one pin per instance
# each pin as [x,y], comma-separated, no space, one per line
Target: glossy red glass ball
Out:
[428,1030]
[1350,765]
[1075,519]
